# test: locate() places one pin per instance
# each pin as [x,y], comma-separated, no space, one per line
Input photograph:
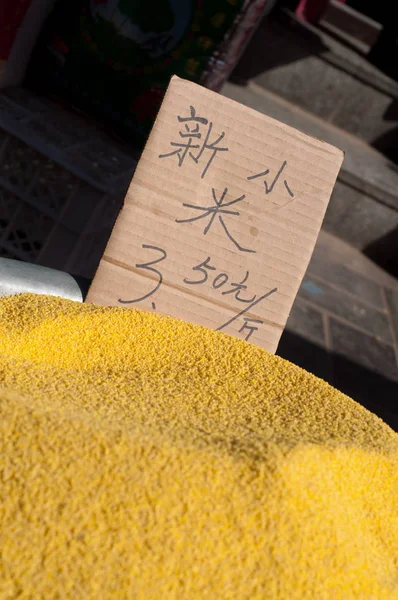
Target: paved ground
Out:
[344,324]
[344,327]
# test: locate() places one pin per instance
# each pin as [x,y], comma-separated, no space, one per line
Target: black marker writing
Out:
[249,328]
[221,280]
[148,266]
[246,310]
[202,268]
[236,288]
[192,138]
[269,188]
[220,210]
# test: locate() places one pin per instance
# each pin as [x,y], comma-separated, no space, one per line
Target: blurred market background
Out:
[80,85]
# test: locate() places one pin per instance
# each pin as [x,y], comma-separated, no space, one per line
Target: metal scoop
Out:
[19,277]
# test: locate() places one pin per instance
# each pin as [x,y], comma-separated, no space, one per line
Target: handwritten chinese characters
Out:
[220,219]
[220,210]
[193,138]
[269,188]
[219,281]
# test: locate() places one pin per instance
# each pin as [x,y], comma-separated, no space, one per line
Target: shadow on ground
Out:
[377,393]
[270,48]
[384,251]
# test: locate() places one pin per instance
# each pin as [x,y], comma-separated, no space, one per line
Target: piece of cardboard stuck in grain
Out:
[220,219]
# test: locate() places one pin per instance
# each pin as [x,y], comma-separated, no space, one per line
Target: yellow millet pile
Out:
[145,458]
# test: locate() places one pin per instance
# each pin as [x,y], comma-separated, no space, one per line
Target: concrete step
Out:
[364,207]
[350,26]
[343,326]
[322,75]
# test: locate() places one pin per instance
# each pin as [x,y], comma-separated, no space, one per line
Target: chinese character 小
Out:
[269,188]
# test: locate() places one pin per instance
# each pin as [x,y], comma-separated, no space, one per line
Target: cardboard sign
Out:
[220,219]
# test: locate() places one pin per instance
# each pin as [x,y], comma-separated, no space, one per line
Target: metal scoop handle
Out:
[19,277]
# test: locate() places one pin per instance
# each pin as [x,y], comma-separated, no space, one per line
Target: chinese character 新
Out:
[195,142]
[220,210]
